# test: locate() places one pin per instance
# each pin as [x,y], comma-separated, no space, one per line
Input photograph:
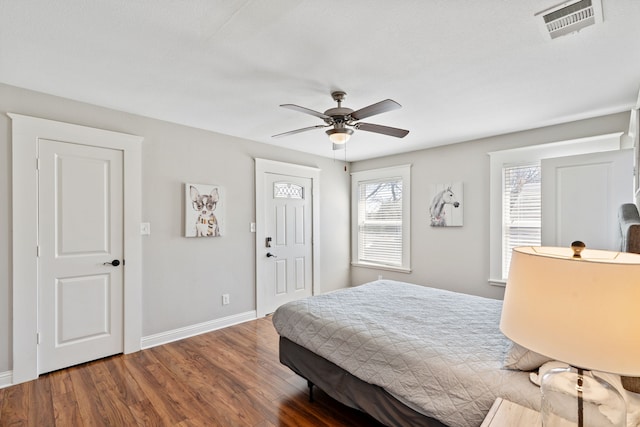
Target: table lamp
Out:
[581,307]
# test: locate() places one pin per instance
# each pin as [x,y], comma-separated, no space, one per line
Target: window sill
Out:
[381,267]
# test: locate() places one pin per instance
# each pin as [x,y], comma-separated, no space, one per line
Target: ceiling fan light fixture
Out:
[339,136]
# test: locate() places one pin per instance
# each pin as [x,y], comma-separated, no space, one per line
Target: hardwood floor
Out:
[230,377]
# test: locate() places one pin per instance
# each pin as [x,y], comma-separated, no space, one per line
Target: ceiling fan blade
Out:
[293,132]
[306,111]
[385,130]
[377,108]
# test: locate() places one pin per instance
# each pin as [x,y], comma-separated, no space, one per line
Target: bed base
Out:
[348,389]
[310,385]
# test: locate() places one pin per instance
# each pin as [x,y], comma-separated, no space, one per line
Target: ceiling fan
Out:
[344,120]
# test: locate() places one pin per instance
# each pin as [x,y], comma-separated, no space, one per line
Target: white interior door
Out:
[80,232]
[581,196]
[287,250]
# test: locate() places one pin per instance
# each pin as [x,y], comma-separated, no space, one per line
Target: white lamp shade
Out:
[585,312]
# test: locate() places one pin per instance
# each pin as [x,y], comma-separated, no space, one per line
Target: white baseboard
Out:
[6,379]
[197,329]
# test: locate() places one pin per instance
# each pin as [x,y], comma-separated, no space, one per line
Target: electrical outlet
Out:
[225,299]
[379,276]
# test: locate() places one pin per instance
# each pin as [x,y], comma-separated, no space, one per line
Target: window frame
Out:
[390,173]
[530,154]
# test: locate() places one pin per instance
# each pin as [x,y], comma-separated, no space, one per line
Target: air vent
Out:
[569,17]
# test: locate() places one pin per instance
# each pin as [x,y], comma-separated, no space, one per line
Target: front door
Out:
[287,250]
[80,247]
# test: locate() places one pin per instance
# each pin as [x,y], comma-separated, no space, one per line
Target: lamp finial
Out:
[577,248]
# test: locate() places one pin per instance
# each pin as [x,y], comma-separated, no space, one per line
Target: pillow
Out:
[523,359]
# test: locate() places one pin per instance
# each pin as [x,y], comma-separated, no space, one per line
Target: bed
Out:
[406,354]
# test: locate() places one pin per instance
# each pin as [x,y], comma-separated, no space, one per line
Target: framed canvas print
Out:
[445,207]
[204,213]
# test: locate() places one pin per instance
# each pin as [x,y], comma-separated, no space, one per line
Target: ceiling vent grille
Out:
[569,17]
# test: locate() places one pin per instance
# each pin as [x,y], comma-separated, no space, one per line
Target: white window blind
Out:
[381,218]
[380,222]
[521,209]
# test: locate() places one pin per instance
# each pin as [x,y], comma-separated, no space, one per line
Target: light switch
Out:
[145,228]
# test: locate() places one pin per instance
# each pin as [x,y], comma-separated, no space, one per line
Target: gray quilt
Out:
[439,352]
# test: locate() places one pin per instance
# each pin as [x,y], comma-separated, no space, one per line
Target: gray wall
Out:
[457,258]
[183,279]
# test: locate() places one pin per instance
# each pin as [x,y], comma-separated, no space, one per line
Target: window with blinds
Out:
[380,222]
[381,218]
[521,209]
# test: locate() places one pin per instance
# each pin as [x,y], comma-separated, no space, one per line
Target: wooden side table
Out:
[504,413]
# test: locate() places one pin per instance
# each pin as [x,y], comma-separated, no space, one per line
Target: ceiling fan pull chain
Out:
[345,157]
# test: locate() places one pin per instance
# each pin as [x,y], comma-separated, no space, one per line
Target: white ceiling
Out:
[461,69]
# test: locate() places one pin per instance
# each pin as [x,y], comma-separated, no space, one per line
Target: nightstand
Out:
[508,414]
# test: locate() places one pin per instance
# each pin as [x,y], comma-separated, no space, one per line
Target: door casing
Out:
[26,131]
[262,167]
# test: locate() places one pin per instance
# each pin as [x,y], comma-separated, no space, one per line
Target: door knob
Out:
[115,263]
[269,255]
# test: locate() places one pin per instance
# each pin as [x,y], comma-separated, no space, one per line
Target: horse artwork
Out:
[445,209]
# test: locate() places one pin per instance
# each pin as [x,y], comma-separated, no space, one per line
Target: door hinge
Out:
[38,251]
[37,337]
[37,163]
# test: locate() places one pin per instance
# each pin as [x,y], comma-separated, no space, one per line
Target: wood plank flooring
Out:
[230,377]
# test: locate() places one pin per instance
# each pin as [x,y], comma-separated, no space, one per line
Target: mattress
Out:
[439,352]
